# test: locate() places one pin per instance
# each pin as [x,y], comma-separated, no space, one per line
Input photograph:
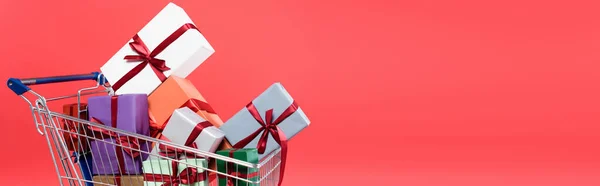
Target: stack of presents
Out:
[152,98]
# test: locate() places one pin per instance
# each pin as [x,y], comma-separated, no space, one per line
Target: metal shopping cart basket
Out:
[71,167]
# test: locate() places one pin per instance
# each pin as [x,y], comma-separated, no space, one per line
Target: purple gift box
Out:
[132,116]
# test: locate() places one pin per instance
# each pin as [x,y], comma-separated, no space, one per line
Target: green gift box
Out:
[159,171]
[249,155]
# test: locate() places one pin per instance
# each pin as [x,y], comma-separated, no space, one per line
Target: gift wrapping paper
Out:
[157,171]
[132,116]
[170,44]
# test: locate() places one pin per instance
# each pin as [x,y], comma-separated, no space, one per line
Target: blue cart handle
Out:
[20,86]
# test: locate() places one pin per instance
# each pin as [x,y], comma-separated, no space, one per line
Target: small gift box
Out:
[267,123]
[75,133]
[176,93]
[249,155]
[170,44]
[119,180]
[189,129]
[188,172]
[126,112]
[274,110]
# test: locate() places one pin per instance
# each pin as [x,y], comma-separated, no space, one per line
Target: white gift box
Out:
[180,126]
[243,124]
[183,56]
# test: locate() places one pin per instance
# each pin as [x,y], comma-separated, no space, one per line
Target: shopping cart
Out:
[71,167]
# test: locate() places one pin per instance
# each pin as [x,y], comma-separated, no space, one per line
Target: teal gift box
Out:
[160,171]
[249,155]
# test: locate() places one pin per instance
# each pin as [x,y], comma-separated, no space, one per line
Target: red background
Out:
[399,93]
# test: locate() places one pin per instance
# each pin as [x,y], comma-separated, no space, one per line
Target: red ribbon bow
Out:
[187,176]
[147,57]
[269,126]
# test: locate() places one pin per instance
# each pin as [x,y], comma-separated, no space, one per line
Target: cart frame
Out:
[48,124]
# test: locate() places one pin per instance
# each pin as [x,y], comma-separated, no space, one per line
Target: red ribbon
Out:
[71,125]
[196,132]
[189,175]
[189,142]
[269,127]
[122,141]
[149,58]
[125,141]
[192,103]
[230,172]
[171,152]
[73,128]
[197,105]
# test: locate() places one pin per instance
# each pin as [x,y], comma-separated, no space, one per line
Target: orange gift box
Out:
[176,93]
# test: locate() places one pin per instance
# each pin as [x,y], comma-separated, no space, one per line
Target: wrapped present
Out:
[189,129]
[184,172]
[126,112]
[176,93]
[267,123]
[75,132]
[185,127]
[249,155]
[170,44]
[119,180]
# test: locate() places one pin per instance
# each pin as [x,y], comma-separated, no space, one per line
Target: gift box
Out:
[189,129]
[160,171]
[174,93]
[267,123]
[249,155]
[124,180]
[126,112]
[75,132]
[274,107]
[168,45]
